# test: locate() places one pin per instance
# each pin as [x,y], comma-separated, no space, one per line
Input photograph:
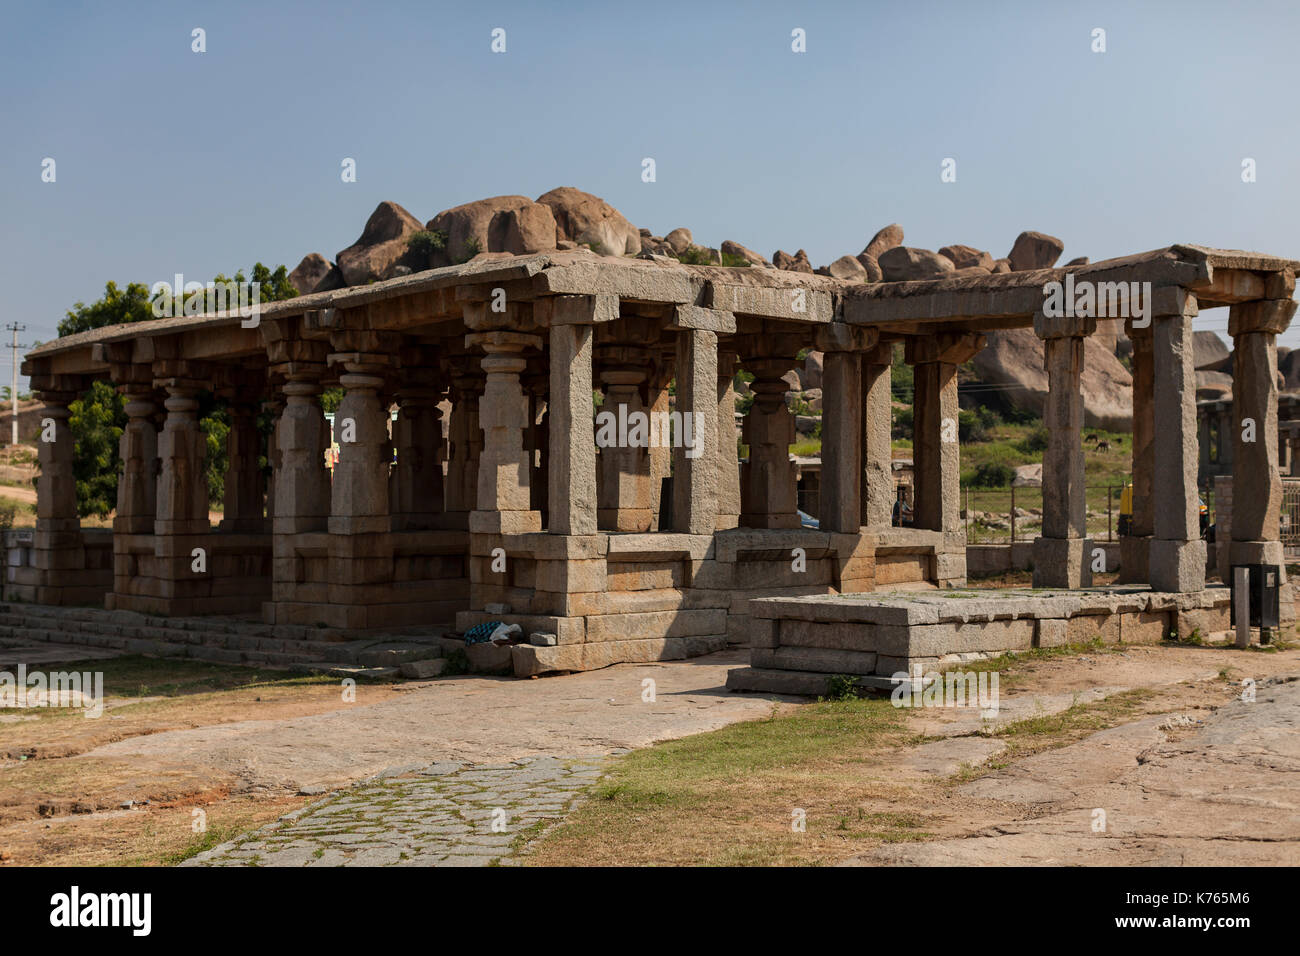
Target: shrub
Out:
[992,474]
[425,243]
[1036,440]
[841,687]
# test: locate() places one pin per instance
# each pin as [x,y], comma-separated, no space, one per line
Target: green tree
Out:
[97,420]
[118,306]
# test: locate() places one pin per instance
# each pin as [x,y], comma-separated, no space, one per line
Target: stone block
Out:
[1177,565]
[422,670]
[1051,632]
[1062,562]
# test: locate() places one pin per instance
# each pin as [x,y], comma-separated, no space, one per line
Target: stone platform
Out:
[798,641]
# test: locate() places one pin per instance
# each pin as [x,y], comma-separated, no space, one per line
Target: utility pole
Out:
[15,328]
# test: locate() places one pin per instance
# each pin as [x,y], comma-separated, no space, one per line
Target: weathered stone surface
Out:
[1034,250]
[871,267]
[1077,261]
[1001,266]
[732,248]
[381,247]
[1210,350]
[813,365]
[965,256]
[422,670]
[1014,358]
[902,263]
[679,240]
[884,240]
[792,263]
[589,220]
[307,275]
[847,267]
[513,224]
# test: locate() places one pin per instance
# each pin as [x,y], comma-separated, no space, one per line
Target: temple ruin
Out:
[622,553]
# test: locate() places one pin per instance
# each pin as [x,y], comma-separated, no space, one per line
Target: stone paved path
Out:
[446,814]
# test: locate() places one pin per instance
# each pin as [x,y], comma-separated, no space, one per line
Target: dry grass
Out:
[56,810]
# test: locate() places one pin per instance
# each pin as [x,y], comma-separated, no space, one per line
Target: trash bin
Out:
[1264,585]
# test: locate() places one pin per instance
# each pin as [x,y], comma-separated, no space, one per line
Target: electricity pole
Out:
[15,328]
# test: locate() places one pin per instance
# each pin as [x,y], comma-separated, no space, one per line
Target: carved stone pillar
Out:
[137,486]
[302,482]
[936,452]
[182,504]
[1256,482]
[1062,553]
[244,492]
[769,484]
[728,445]
[504,504]
[1177,554]
[416,484]
[624,495]
[877,439]
[1135,546]
[465,444]
[695,450]
[572,485]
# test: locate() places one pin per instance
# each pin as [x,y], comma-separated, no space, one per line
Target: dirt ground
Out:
[233,751]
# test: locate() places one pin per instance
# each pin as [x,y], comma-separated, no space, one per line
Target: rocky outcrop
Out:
[381,247]
[792,263]
[307,275]
[1034,250]
[731,248]
[680,240]
[886,239]
[590,221]
[812,370]
[1289,366]
[847,267]
[512,224]
[1209,351]
[1014,358]
[903,263]
[965,256]
[871,267]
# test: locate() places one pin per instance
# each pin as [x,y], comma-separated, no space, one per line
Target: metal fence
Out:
[1290,524]
[1001,515]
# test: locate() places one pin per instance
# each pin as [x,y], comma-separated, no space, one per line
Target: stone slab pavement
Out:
[1171,790]
[468,720]
[445,814]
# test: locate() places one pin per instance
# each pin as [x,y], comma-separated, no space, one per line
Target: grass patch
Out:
[730,797]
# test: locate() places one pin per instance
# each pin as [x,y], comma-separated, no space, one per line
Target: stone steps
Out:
[221,640]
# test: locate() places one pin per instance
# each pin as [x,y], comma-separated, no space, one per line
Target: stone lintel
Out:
[838,337]
[386,344]
[576,309]
[705,320]
[949,348]
[1063,326]
[1262,315]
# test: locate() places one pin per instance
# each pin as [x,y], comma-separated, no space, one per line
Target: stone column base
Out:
[1255,552]
[1177,566]
[1062,562]
[1133,558]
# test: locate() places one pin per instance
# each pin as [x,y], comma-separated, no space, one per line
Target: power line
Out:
[15,328]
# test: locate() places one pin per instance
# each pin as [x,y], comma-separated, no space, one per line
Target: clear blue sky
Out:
[173,161]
